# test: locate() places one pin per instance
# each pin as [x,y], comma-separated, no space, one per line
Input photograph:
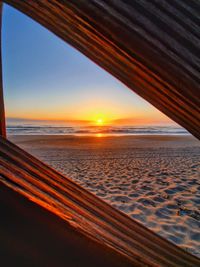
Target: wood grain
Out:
[85,213]
[151,46]
[31,236]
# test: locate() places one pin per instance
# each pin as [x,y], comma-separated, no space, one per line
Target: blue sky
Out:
[45,78]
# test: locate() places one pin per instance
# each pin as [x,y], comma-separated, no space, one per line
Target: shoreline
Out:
[158,137]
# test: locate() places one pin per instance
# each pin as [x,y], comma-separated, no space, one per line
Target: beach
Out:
[154,179]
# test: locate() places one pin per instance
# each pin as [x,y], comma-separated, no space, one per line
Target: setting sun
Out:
[99,121]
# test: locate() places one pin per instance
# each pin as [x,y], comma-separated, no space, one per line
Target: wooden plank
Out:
[2,111]
[85,213]
[34,237]
[151,46]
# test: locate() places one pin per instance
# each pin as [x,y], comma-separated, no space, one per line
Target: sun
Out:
[99,121]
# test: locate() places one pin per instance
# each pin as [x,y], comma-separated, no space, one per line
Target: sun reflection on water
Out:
[99,135]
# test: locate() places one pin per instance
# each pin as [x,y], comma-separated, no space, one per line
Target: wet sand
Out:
[153,179]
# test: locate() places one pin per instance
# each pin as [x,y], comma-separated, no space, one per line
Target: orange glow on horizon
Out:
[92,113]
[97,120]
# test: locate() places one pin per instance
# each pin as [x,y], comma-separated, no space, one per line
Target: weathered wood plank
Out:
[151,46]
[2,111]
[86,213]
[31,236]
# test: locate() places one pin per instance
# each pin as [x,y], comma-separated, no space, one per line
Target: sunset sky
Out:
[46,79]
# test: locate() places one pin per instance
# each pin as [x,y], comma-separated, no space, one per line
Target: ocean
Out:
[30,129]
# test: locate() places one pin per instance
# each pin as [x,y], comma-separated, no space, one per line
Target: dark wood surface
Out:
[86,214]
[2,111]
[30,236]
[151,46]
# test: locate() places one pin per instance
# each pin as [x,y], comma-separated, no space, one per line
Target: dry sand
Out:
[153,179]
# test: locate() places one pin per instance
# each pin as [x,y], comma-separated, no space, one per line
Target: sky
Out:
[46,79]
